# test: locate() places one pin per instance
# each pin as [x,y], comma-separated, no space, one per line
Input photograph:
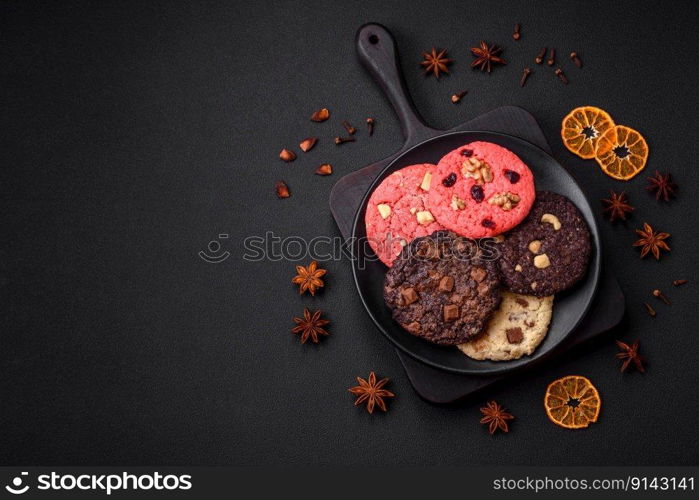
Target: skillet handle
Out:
[377,52]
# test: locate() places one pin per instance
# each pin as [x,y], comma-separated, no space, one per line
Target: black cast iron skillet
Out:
[377,52]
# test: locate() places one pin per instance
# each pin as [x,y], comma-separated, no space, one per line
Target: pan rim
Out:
[502,368]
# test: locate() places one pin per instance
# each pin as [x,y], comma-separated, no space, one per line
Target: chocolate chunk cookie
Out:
[549,252]
[443,288]
[516,329]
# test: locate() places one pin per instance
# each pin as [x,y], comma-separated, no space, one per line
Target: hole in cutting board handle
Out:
[373,39]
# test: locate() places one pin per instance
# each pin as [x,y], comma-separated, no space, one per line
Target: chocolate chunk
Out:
[428,250]
[467,152]
[522,302]
[409,296]
[478,273]
[449,180]
[514,335]
[413,327]
[446,284]
[512,176]
[451,312]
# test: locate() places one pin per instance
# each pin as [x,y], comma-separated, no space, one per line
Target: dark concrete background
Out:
[134,134]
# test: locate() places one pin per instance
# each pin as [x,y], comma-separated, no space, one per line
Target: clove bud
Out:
[370,125]
[525,75]
[552,58]
[561,76]
[657,293]
[540,58]
[516,35]
[576,60]
[457,97]
[349,128]
[679,282]
[341,140]
[650,310]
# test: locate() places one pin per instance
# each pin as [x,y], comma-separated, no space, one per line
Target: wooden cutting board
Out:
[442,387]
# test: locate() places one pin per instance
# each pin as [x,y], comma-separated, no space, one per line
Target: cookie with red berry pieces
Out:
[480,190]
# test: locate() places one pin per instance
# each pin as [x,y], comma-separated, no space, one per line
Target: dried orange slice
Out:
[582,127]
[622,152]
[572,402]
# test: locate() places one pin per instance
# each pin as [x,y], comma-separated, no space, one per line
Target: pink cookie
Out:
[480,190]
[397,213]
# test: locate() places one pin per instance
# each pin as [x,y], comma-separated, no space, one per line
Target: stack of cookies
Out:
[475,254]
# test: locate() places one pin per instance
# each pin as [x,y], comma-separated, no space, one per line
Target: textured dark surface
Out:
[567,248]
[135,134]
[421,266]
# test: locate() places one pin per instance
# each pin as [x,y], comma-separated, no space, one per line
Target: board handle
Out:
[377,52]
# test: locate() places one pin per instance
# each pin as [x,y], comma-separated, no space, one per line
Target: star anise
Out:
[372,392]
[651,241]
[496,416]
[486,56]
[310,326]
[436,62]
[629,353]
[617,206]
[308,278]
[662,186]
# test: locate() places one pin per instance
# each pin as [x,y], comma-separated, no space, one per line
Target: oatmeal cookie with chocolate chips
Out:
[549,252]
[443,288]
